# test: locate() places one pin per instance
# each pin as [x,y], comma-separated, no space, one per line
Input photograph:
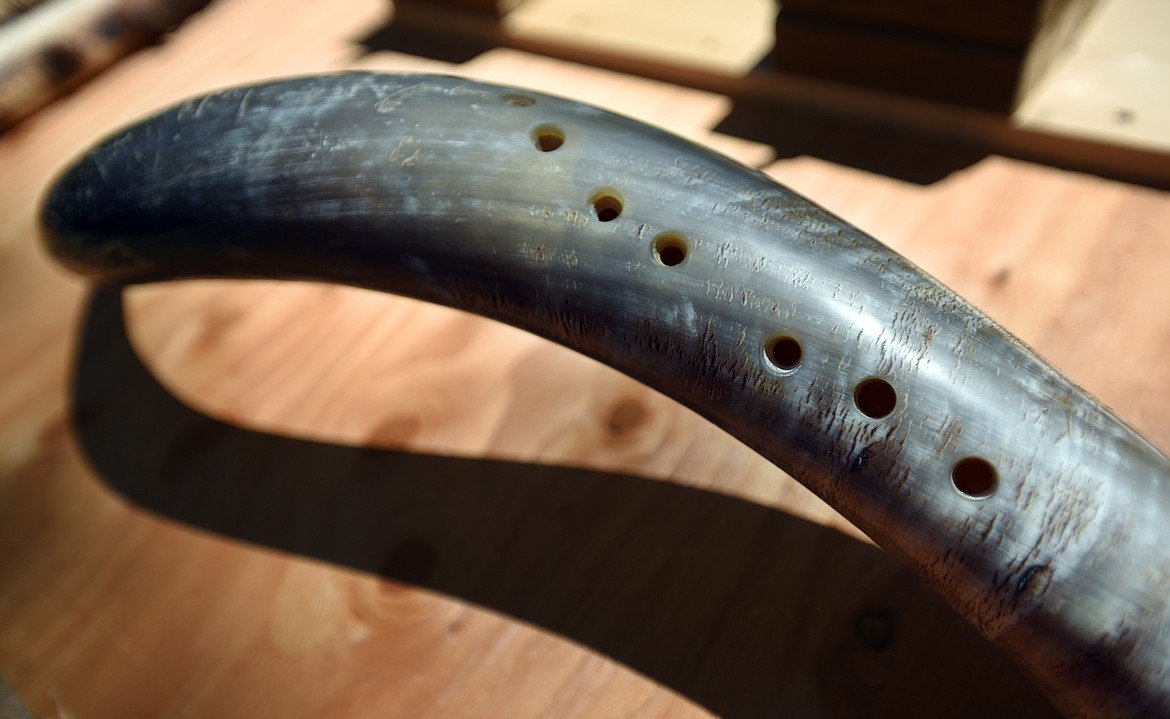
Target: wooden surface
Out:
[1112,81]
[493,526]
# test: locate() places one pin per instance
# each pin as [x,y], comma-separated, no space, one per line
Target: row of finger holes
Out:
[874,397]
[670,248]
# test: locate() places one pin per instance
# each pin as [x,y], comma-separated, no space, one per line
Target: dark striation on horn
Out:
[1020,498]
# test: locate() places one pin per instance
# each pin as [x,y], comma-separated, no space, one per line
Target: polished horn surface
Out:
[1020,498]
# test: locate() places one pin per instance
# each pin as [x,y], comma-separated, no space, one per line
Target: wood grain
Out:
[668,572]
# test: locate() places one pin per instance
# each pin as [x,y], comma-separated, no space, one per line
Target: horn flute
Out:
[1027,504]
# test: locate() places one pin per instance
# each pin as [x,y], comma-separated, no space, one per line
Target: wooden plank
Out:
[858,112]
[713,35]
[669,573]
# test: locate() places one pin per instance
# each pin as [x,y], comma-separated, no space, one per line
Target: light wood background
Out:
[494,526]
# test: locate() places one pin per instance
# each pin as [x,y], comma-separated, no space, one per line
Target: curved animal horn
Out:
[1016,495]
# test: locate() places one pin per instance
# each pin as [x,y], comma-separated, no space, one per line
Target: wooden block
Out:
[1001,21]
[1109,82]
[981,55]
[1060,23]
[950,69]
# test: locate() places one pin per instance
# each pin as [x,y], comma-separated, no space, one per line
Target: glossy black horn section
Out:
[1038,514]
